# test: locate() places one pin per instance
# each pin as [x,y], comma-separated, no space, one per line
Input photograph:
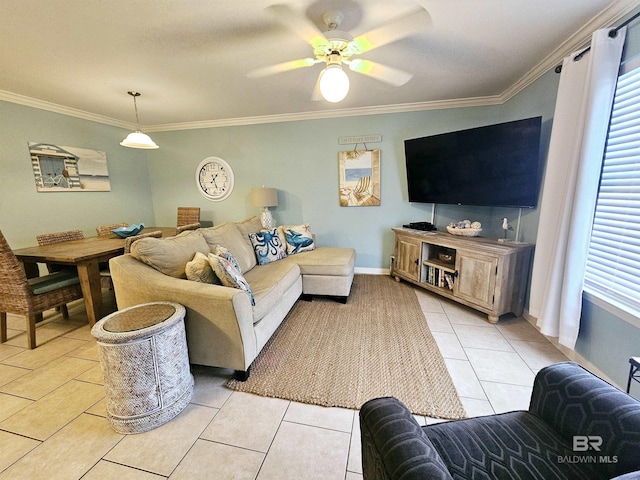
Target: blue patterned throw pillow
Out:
[268,246]
[226,254]
[299,238]
[229,275]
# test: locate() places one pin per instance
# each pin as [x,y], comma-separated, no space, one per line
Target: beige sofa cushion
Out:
[331,261]
[248,226]
[228,235]
[170,255]
[269,283]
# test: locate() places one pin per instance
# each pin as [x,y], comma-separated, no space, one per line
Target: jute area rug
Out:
[335,355]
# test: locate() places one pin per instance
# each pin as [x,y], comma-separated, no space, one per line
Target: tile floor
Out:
[53,426]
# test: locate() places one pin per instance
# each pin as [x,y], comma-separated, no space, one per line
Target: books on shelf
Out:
[439,277]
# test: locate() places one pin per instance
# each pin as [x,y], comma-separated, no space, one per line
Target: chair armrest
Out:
[394,445]
[575,402]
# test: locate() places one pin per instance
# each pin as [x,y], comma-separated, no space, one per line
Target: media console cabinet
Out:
[483,274]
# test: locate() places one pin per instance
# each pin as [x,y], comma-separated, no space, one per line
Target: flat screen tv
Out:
[495,165]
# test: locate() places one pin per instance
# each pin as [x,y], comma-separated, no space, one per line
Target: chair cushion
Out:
[170,255]
[514,445]
[228,235]
[54,281]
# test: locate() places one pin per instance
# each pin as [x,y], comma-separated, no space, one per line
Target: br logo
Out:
[583,443]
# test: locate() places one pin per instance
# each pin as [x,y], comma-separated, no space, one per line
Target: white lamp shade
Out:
[138,139]
[264,197]
[334,83]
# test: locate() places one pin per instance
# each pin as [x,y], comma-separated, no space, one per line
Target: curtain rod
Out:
[613,34]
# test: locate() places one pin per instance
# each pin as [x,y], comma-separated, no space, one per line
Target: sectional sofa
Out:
[226,326]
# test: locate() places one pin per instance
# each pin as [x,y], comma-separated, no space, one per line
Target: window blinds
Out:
[613,264]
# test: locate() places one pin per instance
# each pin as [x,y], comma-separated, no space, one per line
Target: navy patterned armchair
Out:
[577,427]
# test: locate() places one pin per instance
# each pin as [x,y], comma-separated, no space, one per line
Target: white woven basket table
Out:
[145,364]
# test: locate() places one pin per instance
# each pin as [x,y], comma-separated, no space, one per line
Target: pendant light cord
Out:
[135,106]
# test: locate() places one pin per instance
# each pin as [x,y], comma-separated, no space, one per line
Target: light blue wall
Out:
[24,213]
[300,159]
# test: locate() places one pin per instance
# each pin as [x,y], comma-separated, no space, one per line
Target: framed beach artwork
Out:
[68,169]
[359,178]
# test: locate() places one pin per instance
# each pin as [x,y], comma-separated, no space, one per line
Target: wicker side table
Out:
[145,364]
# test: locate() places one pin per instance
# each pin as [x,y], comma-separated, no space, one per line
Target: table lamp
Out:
[265,197]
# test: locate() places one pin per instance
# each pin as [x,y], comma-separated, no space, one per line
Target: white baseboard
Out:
[371,271]
[572,354]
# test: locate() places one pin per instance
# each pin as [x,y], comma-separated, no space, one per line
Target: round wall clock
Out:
[214,178]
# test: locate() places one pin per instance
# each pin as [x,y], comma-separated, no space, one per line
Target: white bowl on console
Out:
[464,232]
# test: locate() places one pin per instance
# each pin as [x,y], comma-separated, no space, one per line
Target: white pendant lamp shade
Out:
[138,139]
[334,83]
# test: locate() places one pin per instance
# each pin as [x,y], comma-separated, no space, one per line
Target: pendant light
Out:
[138,139]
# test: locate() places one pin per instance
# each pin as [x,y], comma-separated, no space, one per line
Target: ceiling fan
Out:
[335,48]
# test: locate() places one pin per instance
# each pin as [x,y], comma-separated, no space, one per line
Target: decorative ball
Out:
[476,225]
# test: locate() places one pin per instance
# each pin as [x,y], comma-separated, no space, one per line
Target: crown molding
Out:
[608,17]
[345,112]
[55,108]
[613,14]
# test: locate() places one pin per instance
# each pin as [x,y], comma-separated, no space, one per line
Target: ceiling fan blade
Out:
[298,24]
[386,74]
[282,67]
[413,22]
[316,96]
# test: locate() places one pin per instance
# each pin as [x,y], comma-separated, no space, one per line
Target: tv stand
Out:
[486,275]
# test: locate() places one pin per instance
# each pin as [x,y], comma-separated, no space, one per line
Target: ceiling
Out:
[190,58]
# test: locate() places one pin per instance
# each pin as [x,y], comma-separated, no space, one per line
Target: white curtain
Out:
[578,135]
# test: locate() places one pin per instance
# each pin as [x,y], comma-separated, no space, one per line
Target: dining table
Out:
[86,255]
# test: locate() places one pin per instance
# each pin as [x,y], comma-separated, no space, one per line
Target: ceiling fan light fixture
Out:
[138,139]
[334,83]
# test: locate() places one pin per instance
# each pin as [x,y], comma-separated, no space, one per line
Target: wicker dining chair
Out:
[106,229]
[184,228]
[188,215]
[129,240]
[58,237]
[105,274]
[31,297]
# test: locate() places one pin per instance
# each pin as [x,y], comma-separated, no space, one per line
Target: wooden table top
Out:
[74,251]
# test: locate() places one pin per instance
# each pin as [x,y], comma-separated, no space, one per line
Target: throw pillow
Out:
[299,238]
[229,275]
[268,246]
[199,270]
[226,254]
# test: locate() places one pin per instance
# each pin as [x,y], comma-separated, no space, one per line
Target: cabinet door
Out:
[476,282]
[407,263]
